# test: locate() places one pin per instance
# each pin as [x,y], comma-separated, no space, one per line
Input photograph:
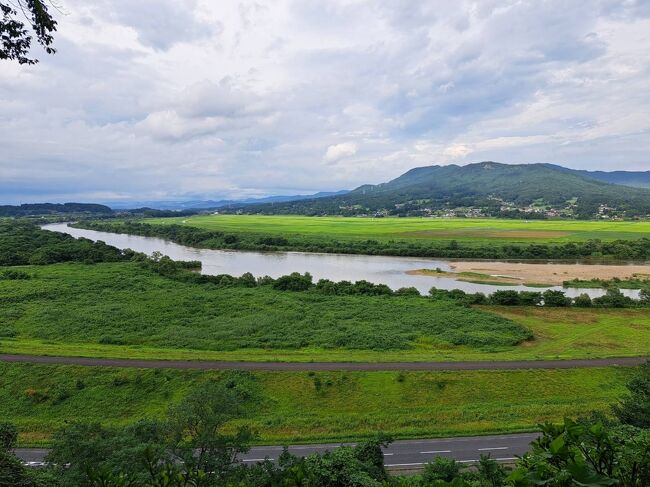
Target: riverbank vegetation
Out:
[144,314]
[23,243]
[324,235]
[638,281]
[59,303]
[156,307]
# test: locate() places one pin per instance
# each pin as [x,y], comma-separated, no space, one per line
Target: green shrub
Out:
[582,301]
[8,332]
[441,468]
[108,340]
[14,275]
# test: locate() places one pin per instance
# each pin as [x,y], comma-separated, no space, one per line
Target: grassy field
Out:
[120,310]
[293,408]
[124,304]
[383,229]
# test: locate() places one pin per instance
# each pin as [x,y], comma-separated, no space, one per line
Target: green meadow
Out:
[384,229]
[305,407]
[122,310]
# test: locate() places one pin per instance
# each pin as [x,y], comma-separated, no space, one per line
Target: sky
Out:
[194,99]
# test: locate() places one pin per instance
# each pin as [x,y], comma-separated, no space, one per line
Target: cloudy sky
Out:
[175,99]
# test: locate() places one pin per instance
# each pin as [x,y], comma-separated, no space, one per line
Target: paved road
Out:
[300,366]
[402,454]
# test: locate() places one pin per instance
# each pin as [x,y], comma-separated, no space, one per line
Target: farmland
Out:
[476,231]
[301,406]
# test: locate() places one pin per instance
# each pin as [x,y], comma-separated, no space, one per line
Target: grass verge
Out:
[306,407]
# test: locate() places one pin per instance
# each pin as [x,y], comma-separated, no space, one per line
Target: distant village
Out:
[534,211]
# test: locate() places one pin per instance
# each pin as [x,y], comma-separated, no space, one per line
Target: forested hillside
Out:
[53,209]
[492,188]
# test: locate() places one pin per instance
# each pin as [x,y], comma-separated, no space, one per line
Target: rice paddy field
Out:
[384,229]
[307,407]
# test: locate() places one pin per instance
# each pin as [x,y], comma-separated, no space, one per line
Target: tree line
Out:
[24,243]
[613,298]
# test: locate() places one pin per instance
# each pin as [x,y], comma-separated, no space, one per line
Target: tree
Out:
[588,454]
[505,298]
[197,422]
[634,409]
[555,298]
[16,38]
[12,471]
[82,452]
[644,295]
[582,301]
[441,468]
[8,436]
[613,298]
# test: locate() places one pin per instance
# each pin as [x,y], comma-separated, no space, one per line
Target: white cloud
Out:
[339,151]
[457,151]
[221,99]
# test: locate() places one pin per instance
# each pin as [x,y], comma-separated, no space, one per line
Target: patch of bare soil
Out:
[550,273]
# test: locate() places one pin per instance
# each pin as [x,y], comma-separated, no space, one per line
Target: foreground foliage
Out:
[312,406]
[192,447]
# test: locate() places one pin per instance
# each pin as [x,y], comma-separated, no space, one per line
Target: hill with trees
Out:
[485,188]
[33,209]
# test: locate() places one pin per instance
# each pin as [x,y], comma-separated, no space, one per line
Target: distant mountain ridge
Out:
[216,204]
[487,185]
[31,209]
[635,179]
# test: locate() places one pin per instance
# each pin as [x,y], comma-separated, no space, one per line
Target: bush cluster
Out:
[613,298]
[23,243]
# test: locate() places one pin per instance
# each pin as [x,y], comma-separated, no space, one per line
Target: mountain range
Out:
[215,204]
[484,188]
[493,187]
[636,179]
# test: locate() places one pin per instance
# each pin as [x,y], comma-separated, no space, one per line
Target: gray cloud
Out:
[159,99]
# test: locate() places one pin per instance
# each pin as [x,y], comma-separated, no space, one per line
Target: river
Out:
[388,270]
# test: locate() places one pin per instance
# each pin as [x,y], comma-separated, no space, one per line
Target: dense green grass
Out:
[40,399]
[121,310]
[122,303]
[383,229]
[582,332]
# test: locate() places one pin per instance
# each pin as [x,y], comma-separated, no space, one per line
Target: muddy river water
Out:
[388,270]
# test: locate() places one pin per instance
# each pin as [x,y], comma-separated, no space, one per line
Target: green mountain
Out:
[493,187]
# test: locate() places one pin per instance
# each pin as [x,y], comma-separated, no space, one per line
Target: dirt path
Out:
[330,366]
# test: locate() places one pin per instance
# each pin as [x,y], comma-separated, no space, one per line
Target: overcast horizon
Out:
[177,100]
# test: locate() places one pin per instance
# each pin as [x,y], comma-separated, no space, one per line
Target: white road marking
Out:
[404,464]
[494,448]
[317,447]
[388,454]
[458,461]
[436,451]
[256,459]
